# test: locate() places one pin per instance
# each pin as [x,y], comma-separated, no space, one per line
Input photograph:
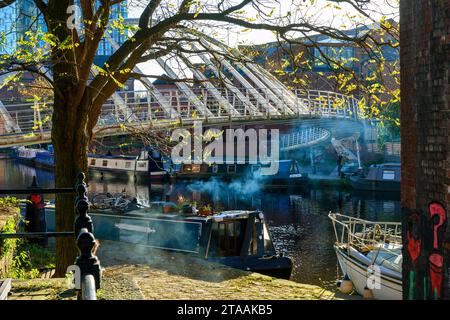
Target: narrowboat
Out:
[288,172]
[149,164]
[26,155]
[238,239]
[370,256]
[45,159]
[380,177]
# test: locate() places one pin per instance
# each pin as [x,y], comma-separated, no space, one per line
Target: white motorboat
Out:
[370,255]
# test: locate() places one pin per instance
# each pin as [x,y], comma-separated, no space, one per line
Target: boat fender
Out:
[368,294]
[346,286]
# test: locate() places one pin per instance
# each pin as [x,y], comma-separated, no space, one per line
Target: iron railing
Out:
[87,262]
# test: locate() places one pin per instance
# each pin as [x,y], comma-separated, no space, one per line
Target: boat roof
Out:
[99,156]
[390,164]
[219,217]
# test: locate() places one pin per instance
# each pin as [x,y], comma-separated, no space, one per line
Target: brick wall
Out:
[425,137]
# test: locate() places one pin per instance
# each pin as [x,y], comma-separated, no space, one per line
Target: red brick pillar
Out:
[425,134]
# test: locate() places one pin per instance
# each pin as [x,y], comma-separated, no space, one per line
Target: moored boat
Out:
[288,173]
[239,239]
[45,159]
[370,255]
[149,164]
[381,177]
[26,155]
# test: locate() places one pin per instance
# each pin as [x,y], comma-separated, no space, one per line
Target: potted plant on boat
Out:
[205,211]
[169,207]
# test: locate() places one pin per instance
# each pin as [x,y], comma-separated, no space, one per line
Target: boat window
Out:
[294,168]
[128,165]
[388,175]
[92,162]
[142,164]
[215,168]
[268,244]
[105,163]
[252,249]
[228,238]
[196,168]
[231,168]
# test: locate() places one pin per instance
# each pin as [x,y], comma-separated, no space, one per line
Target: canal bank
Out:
[147,274]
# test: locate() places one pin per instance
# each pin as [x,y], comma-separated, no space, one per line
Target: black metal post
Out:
[83,220]
[87,261]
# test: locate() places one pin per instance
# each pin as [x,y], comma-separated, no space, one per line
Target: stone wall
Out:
[425,137]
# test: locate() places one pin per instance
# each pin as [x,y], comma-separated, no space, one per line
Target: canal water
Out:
[297,219]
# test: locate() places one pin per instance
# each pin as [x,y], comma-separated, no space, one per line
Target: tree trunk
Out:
[70,143]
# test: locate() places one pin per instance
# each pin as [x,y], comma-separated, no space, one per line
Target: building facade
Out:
[312,58]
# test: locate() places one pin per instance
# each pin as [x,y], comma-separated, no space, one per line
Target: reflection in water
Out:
[298,220]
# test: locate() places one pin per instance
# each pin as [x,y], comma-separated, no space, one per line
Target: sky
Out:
[319,12]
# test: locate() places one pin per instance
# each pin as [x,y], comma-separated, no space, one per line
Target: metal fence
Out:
[87,262]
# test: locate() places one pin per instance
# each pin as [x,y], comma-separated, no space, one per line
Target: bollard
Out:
[88,263]
[35,213]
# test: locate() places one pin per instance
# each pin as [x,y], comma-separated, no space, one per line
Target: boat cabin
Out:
[384,172]
[287,169]
[238,239]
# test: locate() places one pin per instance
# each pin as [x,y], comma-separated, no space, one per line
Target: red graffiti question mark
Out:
[436,209]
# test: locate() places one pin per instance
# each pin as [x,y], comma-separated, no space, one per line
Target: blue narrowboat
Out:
[380,177]
[239,239]
[288,172]
[45,159]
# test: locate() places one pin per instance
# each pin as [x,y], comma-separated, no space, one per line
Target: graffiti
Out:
[425,252]
[436,259]
[436,263]
[413,245]
[438,218]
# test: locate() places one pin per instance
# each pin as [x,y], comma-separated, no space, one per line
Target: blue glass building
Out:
[23,15]
[15,20]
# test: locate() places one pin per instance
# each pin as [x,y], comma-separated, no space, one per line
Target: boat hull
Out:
[360,183]
[274,266]
[390,288]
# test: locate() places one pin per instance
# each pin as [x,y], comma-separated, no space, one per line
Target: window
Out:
[196,168]
[228,238]
[92,162]
[231,168]
[128,165]
[294,168]
[388,175]
[338,54]
[105,163]
[215,168]
[142,164]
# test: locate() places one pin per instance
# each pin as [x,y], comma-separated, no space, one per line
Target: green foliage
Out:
[28,259]
[8,202]
[7,245]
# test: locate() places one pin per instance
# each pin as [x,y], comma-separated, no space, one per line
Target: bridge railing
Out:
[172,104]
